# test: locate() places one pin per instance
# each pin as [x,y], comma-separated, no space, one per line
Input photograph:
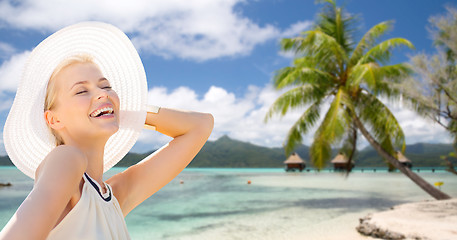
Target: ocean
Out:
[220,204]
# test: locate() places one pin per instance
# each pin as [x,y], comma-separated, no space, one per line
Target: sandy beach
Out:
[420,220]
[342,227]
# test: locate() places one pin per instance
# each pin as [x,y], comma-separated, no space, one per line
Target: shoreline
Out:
[219,204]
[431,219]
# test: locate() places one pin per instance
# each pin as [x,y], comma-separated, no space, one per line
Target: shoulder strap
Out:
[96,186]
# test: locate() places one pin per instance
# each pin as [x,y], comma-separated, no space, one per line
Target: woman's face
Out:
[81,91]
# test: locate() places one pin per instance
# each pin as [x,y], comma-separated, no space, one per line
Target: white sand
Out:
[421,220]
[341,227]
[427,220]
[276,225]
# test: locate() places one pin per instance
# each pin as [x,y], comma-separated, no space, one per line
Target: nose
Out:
[102,93]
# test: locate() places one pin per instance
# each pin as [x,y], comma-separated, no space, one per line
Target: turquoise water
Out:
[219,204]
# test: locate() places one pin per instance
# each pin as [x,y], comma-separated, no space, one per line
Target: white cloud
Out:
[296,28]
[6,50]
[203,33]
[199,29]
[10,72]
[416,128]
[242,117]
[288,54]
[6,104]
[238,117]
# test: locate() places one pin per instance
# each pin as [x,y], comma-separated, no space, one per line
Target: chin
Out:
[112,130]
[106,132]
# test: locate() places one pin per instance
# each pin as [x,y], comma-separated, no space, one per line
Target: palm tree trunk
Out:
[427,187]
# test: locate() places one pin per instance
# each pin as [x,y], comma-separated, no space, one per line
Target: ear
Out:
[52,120]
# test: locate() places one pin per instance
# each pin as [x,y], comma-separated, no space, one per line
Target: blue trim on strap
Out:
[107,199]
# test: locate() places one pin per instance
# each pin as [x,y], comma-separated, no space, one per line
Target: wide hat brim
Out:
[26,136]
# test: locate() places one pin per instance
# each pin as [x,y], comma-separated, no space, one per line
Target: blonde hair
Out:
[50,100]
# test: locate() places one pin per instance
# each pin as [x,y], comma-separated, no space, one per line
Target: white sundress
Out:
[95,216]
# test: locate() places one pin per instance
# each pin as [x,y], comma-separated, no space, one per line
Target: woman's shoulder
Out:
[63,160]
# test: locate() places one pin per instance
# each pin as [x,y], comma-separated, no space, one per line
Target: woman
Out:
[78,110]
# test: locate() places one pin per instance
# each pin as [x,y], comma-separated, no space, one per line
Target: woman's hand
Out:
[190,131]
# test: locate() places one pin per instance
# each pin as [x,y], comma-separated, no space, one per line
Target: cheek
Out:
[114,97]
[76,108]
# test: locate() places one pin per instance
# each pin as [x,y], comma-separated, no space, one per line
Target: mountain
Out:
[5,161]
[226,152]
[421,155]
[229,153]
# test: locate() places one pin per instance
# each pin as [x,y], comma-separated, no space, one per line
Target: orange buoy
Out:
[249,181]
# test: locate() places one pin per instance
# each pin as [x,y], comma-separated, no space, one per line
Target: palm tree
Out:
[330,68]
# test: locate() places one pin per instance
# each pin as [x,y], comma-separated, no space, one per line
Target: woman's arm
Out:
[190,131]
[56,181]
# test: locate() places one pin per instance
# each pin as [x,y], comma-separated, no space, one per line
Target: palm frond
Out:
[383,123]
[290,76]
[349,146]
[336,119]
[331,130]
[388,78]
[296,97]
[382,52]
[335,22]
[301,127]
[396,72]
[291,44]
[368,40]
[320,152]
[379,80]
[322,45]
[286,76]
[388,147]
[363,73]
[326,51]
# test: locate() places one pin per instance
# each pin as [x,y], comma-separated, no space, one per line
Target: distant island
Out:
[229,153]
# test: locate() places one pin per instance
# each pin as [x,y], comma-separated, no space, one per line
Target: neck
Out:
[95,163]
[94,151]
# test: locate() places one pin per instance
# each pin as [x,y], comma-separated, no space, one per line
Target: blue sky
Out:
[214,56]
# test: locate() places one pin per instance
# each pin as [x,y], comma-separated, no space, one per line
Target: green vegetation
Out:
[330,66]
[226,152]
[421,155]
[229,153]
[433,88]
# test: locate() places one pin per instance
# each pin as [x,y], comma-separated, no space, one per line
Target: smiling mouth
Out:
[104,112]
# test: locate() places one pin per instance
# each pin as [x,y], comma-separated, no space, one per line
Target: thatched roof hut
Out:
[340,162]
[295,162]
[404,160]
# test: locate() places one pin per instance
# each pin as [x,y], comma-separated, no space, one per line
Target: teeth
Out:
[106,109]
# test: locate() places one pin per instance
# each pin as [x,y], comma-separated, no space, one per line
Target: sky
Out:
[216,56]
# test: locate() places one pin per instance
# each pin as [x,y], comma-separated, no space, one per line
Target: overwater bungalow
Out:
[340,163]
[404,160]
[294,162]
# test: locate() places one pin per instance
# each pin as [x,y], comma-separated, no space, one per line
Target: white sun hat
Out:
[26,136]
